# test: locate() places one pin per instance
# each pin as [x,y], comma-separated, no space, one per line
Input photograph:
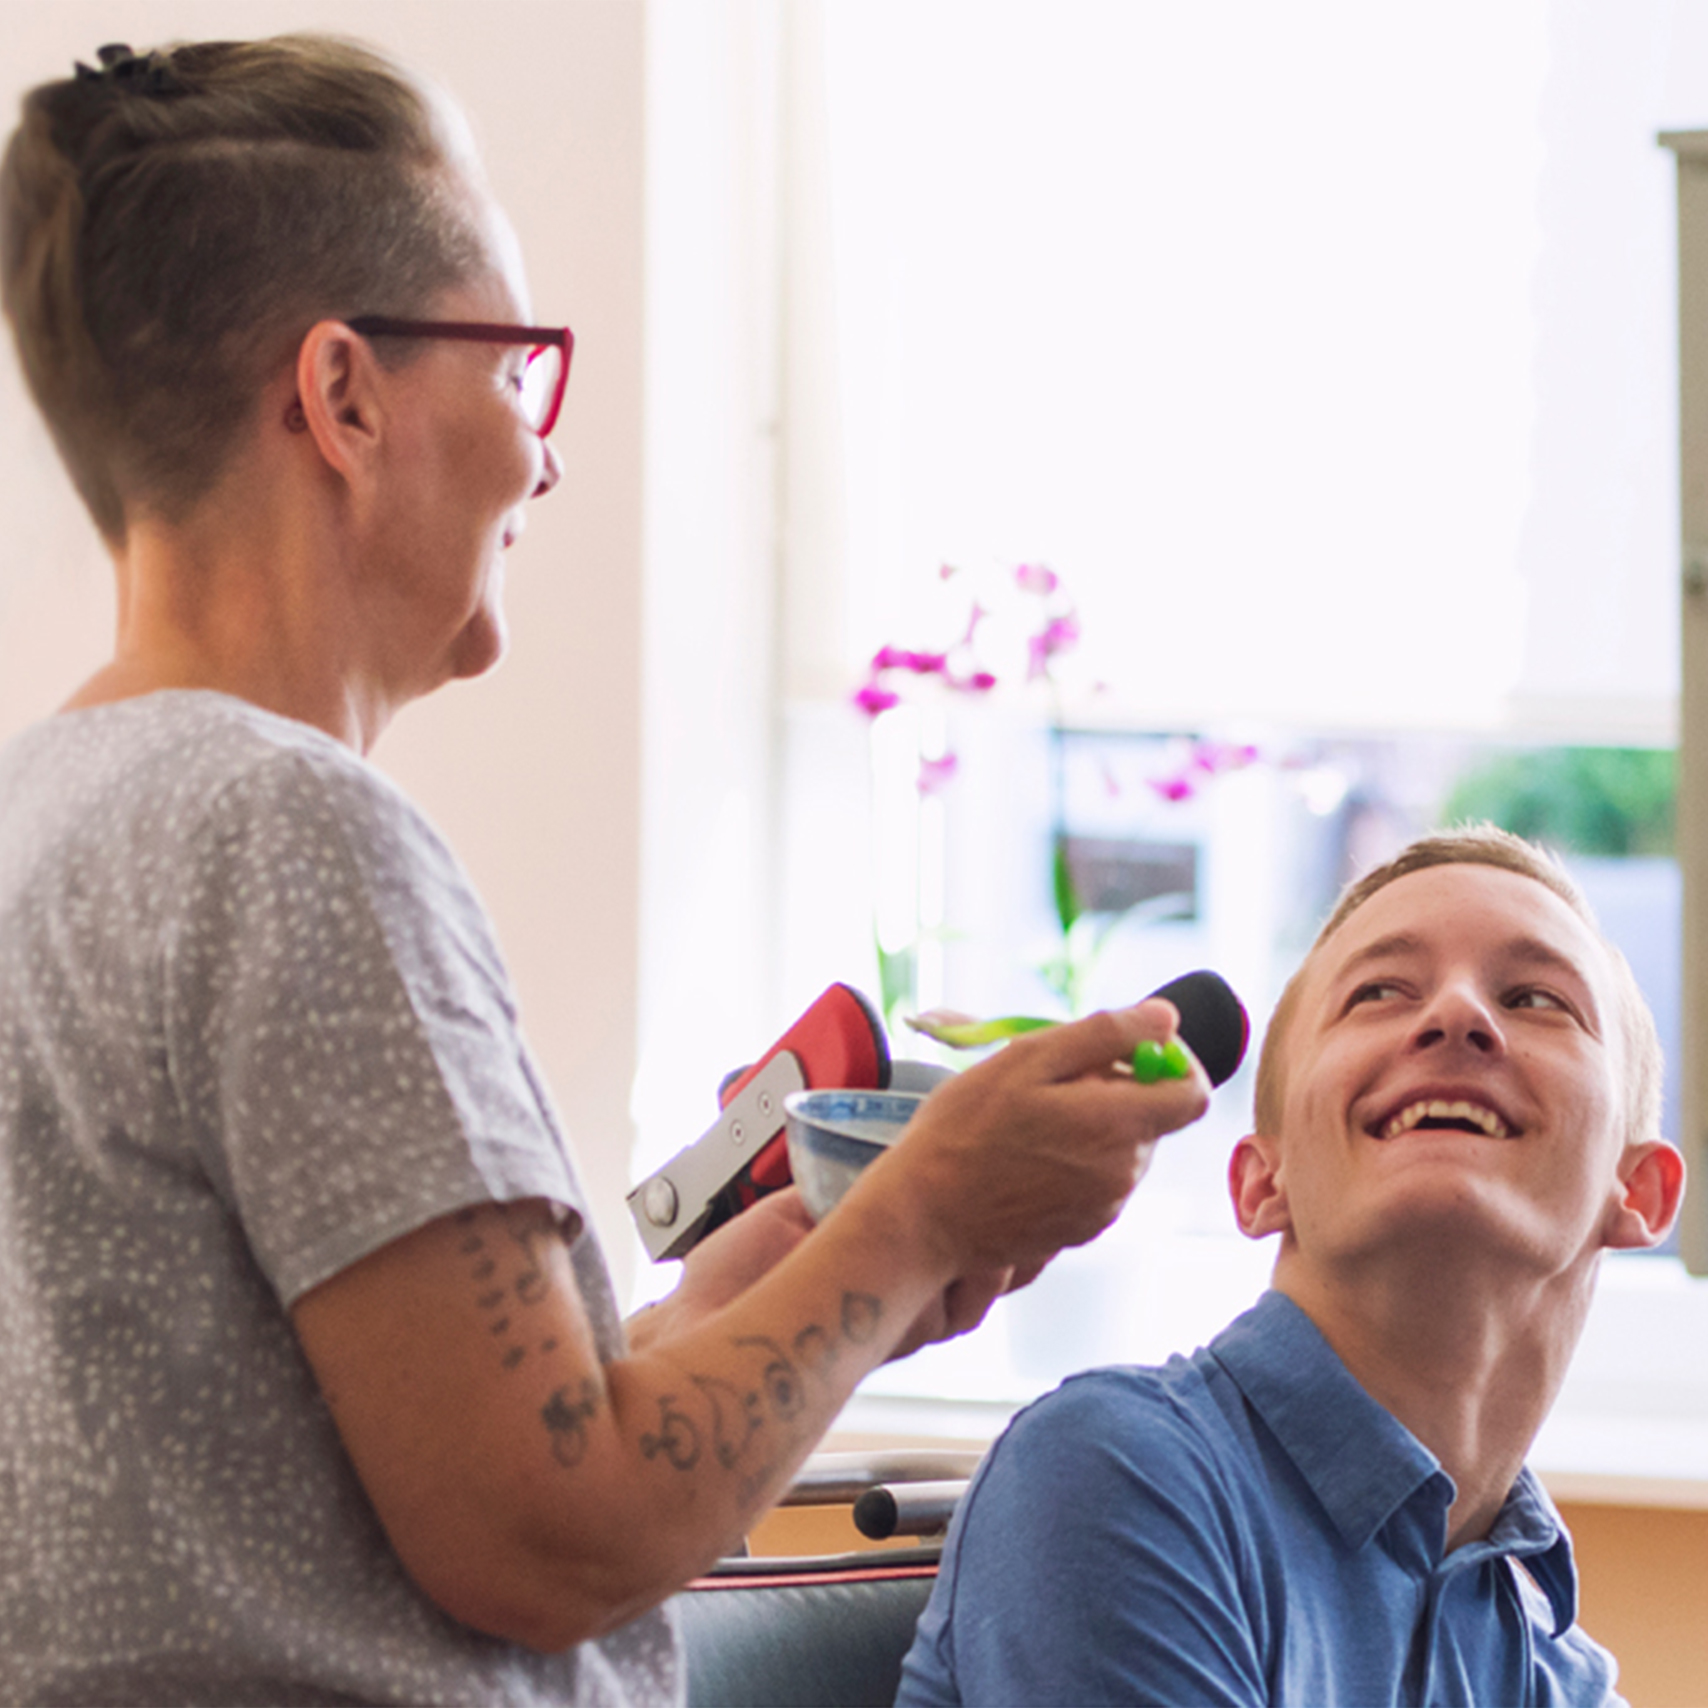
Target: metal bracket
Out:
[670,1205]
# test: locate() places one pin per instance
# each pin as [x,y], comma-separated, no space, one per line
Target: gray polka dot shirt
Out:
[253,1025]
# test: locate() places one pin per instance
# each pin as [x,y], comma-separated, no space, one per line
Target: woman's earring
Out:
[295,420]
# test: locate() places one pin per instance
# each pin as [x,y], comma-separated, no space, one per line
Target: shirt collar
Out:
[1529,1527]
[1359,1460]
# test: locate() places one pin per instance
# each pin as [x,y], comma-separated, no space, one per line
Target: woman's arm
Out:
[543,1496]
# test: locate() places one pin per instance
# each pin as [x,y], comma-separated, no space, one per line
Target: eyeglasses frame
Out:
[481,332]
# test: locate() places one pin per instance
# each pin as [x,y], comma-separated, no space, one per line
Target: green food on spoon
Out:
[1151,1061]
[963,1032]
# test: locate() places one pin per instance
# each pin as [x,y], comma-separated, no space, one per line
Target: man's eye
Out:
[1532,997]
[1377,990]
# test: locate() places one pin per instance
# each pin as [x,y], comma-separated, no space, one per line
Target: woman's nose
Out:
[551,470]
[1460,1013]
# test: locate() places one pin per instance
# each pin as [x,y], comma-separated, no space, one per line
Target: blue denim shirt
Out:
[1243,1526]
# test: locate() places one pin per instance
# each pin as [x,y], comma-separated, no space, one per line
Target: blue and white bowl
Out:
[833,1135]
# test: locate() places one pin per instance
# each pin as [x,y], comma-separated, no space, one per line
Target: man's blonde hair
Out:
[1481,845]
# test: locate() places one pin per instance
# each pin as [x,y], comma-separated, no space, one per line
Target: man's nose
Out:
[551,470]
[1460,1012]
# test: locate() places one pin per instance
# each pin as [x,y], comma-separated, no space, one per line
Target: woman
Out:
[311,1385]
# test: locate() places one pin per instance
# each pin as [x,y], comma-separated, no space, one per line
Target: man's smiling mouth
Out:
[1434,1114]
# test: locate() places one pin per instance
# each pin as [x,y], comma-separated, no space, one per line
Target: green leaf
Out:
[1581,800]
[898,974]
[1068,908]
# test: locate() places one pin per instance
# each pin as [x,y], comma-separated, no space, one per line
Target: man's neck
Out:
[1468,1361]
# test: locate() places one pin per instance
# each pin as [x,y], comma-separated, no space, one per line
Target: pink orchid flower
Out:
[935,775]
[873,699]
[1058,635]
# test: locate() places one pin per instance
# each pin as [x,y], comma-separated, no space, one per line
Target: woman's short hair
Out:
[171,224]
[1482,845]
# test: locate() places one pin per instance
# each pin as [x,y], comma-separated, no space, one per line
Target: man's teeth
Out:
[1459,1114]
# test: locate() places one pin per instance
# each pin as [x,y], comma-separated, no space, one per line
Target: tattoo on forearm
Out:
[510,1274]
[744,1425]
[532,1283]
[860,1314]
[566,1423]
[815,1350]
[781,1380]
[736,1418]
[677,1438]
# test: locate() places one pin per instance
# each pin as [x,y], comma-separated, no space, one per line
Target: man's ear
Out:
[339,395]
[1651,1185]
[1254,1184]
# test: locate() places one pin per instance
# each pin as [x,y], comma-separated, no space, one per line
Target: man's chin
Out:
[1459,1226]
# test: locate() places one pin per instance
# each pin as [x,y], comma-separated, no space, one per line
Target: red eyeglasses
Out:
[544,375]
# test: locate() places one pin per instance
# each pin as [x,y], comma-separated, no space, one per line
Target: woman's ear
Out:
[339,395]
[1255,1185]
[1651,1186]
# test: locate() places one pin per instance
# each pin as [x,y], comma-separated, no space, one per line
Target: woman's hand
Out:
[1033,1150]
[728,1261]
[1037,1148]
[725,1264]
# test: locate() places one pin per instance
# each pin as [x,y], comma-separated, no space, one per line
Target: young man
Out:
[1457,1113]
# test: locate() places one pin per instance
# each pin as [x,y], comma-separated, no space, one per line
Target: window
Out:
[1331,363]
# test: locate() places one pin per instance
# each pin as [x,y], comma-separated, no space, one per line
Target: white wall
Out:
[532,774]
[711,452]
[742,497]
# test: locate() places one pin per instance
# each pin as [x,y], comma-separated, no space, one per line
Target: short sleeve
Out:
[340,1027]
[1097,1558]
